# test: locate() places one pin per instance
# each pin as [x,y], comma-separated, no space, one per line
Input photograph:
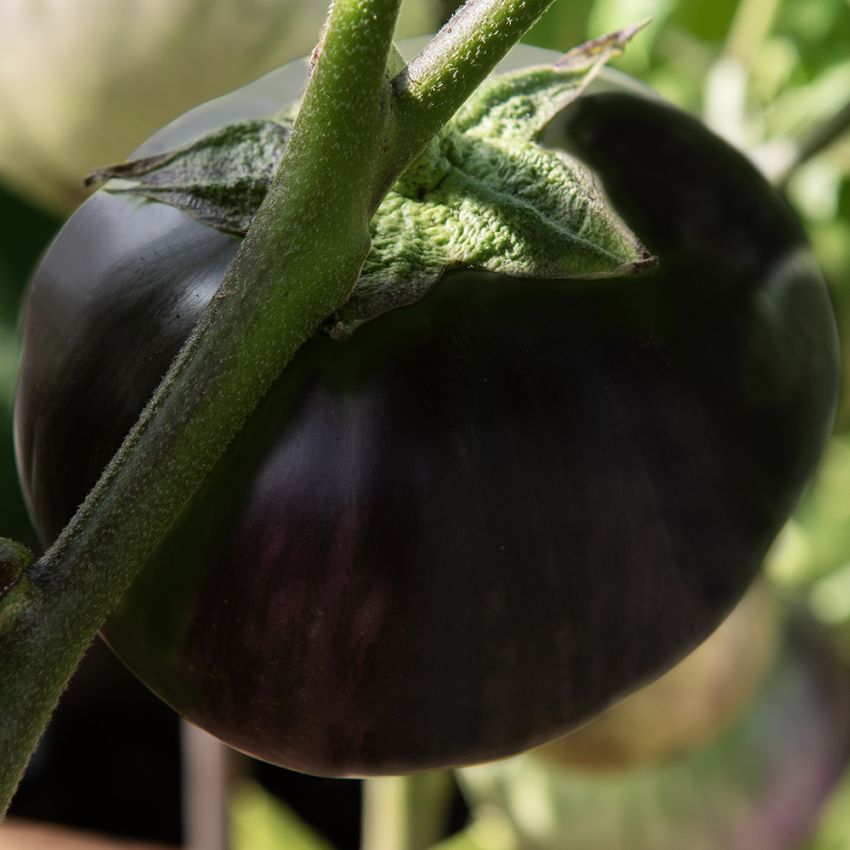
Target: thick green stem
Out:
[429,91]
[297,264]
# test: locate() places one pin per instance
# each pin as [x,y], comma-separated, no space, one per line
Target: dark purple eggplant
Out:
[481,519]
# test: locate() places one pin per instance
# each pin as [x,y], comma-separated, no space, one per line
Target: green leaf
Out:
[259,821]
[509,207]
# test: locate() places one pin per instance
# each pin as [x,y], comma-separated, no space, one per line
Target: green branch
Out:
[456,61]
[297,264]
[728,80]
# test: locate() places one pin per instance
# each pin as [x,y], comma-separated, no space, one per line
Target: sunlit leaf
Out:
[259,821]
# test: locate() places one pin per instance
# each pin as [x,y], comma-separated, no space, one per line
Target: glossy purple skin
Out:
[483,518]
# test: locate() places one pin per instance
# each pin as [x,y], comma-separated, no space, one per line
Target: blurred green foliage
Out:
[833,832]
[260,821]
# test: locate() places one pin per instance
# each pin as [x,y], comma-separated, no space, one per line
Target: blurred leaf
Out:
[773,67]
[797,107]
[490,830]
[816,542]
[706,21]
[259,821]
[834,830]
[821,30]
[815,190]
[679,63]
[82,83]
[608,15]
[829,597]
[831,241]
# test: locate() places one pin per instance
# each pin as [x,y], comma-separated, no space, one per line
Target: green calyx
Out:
[220,179]
[485,194]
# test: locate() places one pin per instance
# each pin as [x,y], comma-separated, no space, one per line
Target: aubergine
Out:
[483,518]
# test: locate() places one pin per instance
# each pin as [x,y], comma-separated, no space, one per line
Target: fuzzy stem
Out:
[456,61]
[298,263]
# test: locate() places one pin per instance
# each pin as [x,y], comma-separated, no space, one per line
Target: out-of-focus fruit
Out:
[688,705]
[83,81]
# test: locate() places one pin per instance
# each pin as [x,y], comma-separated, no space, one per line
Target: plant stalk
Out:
[434,84]
[297,263]
[750,26]
[354,135]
